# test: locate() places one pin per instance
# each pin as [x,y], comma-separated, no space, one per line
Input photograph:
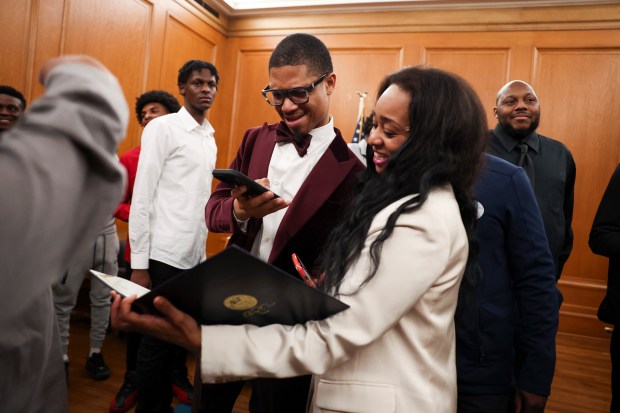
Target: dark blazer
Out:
[605,240]
[506,329]
[314,211]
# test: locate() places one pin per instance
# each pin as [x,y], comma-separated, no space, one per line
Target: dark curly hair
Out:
[302,49]
[446,140]
[196,66]
[156,96]
[8,90]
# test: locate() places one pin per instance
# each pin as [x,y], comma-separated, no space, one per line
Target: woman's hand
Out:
[173,325]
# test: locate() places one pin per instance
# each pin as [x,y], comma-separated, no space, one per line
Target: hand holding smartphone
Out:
[234,178]
[302,271]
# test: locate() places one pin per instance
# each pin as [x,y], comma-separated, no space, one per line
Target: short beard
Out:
[520,134]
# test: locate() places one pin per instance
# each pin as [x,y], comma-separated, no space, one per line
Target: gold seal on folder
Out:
[240,302]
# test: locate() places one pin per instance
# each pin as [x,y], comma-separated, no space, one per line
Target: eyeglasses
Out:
[297,95]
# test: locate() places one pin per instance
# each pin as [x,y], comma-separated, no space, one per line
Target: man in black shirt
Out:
[547,162]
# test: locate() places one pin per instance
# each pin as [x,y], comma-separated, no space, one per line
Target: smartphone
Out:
[302,271]
[234,178]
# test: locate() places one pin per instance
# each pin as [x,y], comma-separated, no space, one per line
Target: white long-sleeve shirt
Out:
[287,172]
[173,184]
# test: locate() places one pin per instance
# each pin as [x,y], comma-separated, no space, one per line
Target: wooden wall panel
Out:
[249,107]
[45,39]
[578,315]
[441,20]
[581,323]
[577,88]
[182,43]
[15,20]
[484,69]
[120,43]
[358,69]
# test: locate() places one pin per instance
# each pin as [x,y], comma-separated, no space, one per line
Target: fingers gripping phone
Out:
[235,178]
[303,272]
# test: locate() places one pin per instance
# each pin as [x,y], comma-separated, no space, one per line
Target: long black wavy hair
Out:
[446,140]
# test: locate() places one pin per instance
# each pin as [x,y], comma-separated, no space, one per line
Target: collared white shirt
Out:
[287,172]
[173,184]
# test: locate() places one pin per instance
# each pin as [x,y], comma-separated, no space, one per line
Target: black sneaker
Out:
[181,386]
[127,396]
[96,367]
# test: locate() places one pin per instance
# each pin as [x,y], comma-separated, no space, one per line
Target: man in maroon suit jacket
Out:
[308,164]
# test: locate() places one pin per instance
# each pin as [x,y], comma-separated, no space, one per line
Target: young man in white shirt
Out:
[167,230]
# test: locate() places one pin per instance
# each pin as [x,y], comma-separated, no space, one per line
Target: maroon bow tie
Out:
[284,134]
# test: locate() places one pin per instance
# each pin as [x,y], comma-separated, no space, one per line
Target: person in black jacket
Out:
[507,322]
[605,240]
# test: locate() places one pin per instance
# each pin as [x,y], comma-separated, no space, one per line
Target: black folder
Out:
[234,287]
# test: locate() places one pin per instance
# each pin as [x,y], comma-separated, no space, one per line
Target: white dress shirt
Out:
[287,172]
[173,184]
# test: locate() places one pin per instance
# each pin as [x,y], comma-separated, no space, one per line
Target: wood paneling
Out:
[581,299]
[438,21]
[483,68]
[46,36]
[249,107]
[577,88]
[120,43]
[358,69]
[15,20]
[182,43]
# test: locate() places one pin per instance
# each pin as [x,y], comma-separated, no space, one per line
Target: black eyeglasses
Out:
[297,95]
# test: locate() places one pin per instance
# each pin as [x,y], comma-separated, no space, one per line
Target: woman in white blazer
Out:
[397,260]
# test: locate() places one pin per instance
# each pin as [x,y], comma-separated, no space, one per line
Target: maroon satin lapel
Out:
[258,167]
[261,153]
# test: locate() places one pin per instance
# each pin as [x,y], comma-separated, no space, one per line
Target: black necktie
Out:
[526,163]
[284,134]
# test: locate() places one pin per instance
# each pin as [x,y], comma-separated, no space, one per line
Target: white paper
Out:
[122,286]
